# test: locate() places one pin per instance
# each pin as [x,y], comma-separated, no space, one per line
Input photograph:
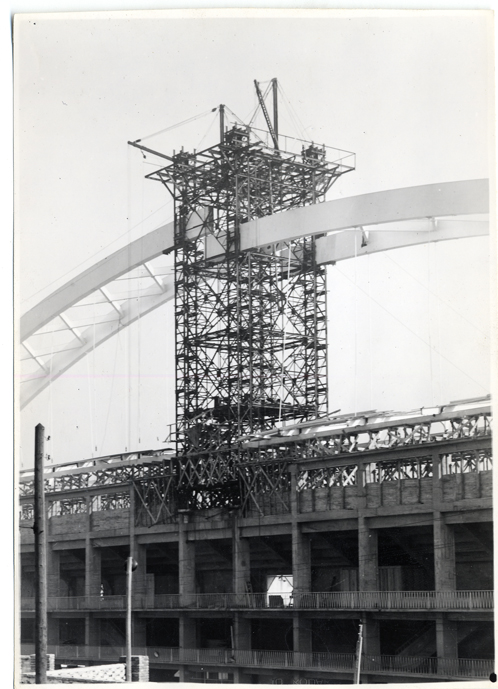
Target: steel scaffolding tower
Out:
[251,326]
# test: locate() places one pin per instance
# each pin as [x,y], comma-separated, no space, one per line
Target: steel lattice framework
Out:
[251,341]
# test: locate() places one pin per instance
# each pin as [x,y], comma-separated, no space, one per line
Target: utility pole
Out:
[359,649]
[39,529]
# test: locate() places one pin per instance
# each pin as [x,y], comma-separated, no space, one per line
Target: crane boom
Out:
[267,117]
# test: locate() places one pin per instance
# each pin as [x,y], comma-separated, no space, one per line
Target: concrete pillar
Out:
[371,635]
[445,580]
[186,564]
[53,571]
[92,630]
[301,572]
[301,560]
[140,574]
[446,637]
[139,627]
[241,562]
[188,631]
[140,555]
[241,632]
[52,630]
[301,628]
[53,590]
[444,554]
[368,574]
[241,577]
[368,580]
[240,677]
[92,568]
[186,572]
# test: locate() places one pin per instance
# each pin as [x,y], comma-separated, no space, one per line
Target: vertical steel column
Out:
[275,107]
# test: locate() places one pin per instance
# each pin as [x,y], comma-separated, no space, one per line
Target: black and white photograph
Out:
[254,304]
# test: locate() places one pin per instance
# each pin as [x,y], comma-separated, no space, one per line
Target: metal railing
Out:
[395,600]
[342,600]
[468,668]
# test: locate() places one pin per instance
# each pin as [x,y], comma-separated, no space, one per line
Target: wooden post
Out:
[39,529]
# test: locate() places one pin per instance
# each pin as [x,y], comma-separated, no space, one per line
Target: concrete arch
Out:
[352,226]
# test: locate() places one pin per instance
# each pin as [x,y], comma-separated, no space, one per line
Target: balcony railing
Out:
[344,600]
[447,668]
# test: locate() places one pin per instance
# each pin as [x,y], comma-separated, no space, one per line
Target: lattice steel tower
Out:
[251,325]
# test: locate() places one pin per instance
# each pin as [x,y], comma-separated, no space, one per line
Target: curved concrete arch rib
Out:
[359,225]
[99,275]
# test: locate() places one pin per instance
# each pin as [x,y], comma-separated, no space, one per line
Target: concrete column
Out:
[140,574]
[437,489]
[301,560]
[241,562]
[239,677]
[140,555]
[368,574]
[241,632]
[188,631]
[92,568]
[301,572]
[92,630]
[445,580]
[368,580]
[444,554]
[139,627]
[446,637]
[371,635]
[301,628]
[186,564]
[186,572]
[241,577]
[52,630]
[53,571]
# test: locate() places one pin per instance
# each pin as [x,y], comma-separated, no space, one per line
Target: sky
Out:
[410,95]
